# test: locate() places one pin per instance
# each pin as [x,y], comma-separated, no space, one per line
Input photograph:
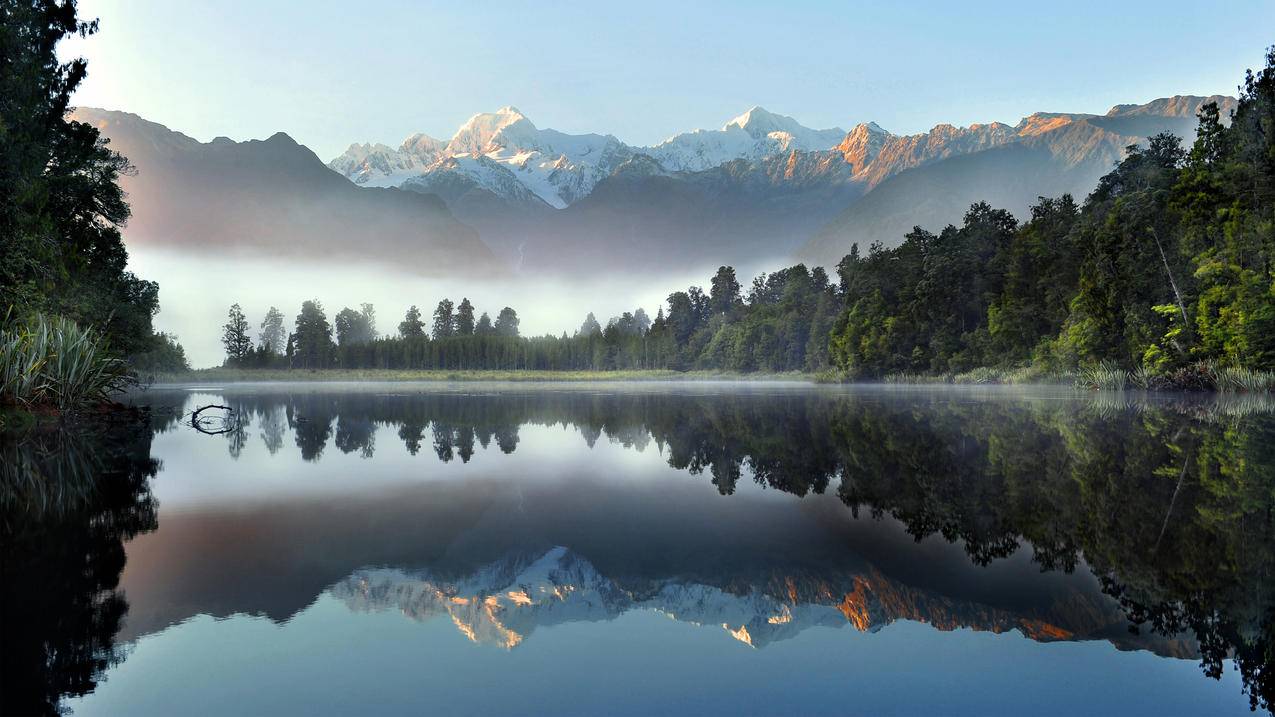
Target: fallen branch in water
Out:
[198,424]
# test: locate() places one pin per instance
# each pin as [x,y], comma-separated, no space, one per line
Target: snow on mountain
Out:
[469,171]
[504,153]
[752,135]
[558,168]
[378,165]
[504,602]
[562,168]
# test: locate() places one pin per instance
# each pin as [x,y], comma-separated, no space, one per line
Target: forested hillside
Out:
[1168,263]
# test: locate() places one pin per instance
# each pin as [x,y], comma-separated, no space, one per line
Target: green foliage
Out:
[412,326]
[61,205]
[1238,380]
[444,320]
[312,341]
[53,361]
[1103,376]
[356,327]
[924,306]
[782,326]
[166,355]
[464,318]
[234,336]
[506,323]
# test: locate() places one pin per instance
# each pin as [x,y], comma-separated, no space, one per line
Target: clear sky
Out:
[334,72]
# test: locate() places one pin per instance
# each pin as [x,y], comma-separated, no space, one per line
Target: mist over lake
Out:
[200,285]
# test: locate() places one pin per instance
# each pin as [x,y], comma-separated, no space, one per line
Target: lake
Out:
[643,548]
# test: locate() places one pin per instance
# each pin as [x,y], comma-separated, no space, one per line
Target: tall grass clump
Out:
[1243,380]
[53,361]
[908,378]
[1103,376]
[981,375]
[1142,377]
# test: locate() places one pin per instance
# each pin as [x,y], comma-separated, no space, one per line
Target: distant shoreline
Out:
[234,375]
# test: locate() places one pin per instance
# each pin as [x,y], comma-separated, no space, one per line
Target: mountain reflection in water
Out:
[1142,522]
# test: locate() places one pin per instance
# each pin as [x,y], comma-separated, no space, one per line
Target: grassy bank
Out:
[1197,377]
[233,375]
[1201,376]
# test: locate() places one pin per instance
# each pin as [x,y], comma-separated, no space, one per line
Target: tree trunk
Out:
[1173,283]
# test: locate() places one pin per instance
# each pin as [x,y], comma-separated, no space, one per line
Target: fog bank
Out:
[196,290]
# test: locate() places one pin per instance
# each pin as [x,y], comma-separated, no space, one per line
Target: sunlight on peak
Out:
[741,634]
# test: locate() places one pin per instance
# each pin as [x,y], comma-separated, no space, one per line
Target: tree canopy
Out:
[61,205]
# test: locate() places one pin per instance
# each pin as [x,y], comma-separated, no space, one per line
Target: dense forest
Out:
[64,266]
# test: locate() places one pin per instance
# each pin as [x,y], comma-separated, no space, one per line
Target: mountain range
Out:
[275,198]
[503,603]
[502,193]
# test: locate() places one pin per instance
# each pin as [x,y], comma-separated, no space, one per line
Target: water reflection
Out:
[1142,522]
[69,499]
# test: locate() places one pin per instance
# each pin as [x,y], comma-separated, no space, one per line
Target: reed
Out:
[1103,376]
[1244,380]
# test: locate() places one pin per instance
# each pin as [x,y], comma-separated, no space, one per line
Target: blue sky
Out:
[332,73]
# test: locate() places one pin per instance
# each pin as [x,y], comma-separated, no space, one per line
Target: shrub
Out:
[51,360]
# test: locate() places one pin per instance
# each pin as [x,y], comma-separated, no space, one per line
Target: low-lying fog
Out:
[195,291]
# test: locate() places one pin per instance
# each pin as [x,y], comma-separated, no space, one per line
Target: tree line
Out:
[781,324]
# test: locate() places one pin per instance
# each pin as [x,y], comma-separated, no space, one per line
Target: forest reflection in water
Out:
[1166,501]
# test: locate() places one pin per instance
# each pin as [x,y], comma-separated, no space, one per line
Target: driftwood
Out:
[198,423]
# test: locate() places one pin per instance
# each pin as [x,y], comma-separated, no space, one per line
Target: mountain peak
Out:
[754,116]
[477,135]
[869,128]
[1175,106]
[862,145]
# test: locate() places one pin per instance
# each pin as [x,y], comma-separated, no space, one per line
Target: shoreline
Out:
[1110,380]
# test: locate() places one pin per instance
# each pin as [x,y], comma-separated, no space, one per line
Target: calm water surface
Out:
[643,549]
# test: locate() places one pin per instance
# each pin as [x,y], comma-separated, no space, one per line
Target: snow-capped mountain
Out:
[752,135]
[378,165]
[466,172]
[562,168]
[556,167]
[756,191]
[504,602]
